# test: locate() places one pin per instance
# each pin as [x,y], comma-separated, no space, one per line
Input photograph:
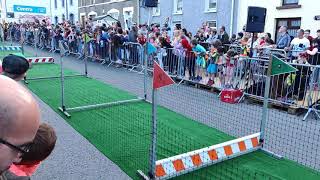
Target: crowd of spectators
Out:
[175,47]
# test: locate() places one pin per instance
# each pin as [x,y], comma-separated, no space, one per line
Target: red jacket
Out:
[186,45]
[310,38]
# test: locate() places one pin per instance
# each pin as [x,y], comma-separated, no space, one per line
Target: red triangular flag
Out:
[160,78]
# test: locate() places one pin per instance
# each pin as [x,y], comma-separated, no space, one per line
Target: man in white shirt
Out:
[299,45]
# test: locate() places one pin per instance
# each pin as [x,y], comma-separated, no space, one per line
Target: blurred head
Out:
[240,35]
[231,53]
[42,145]
[222,29]
[318,33]
[164,34]
[184,31]
[267,36]
[220,50]
[19,122]
[307,33]
[217,44]
[283,29]
[194,42]
[214,31]
[157,34]
[176,33]
[120,31]
[15,67]
[300,33]
[244,41]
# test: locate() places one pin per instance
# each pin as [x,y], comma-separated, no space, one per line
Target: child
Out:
[230,63]
[221,66]
[42,146]
[200,52]
[215,55]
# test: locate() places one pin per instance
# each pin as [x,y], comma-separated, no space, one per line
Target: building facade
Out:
[294,14]
[125,11]
[64,10]
[25,10]
[192,14]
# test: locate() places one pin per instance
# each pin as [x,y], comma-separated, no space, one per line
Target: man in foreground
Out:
[19,122]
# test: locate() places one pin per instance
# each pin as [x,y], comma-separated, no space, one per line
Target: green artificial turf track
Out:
[122,133]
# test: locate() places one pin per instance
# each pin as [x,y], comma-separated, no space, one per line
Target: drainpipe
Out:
[51,12]
[5,9]
[138,12]
[232,19]
[67,13]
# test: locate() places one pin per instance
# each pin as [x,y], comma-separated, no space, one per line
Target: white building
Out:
[294,14]
[21,10]
[64,10]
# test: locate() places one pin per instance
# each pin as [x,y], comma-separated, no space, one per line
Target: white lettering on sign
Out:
[24,9]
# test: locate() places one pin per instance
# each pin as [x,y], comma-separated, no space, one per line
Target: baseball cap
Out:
[14,64]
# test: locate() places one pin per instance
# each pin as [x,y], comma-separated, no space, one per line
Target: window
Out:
[156,10]
[63,17]
[210,5]
[178,6]
[55,4]
[212,24]
[290,2]
[71,2]
[62,3]
[114,13]
[293,25]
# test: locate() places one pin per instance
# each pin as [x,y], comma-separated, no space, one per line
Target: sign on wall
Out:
[29,9]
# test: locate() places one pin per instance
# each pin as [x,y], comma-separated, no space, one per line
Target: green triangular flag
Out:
[280,67]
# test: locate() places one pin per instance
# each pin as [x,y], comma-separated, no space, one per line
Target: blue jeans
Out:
[141,55]
[181,66]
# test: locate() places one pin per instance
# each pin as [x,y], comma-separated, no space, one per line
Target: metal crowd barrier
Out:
[300,89]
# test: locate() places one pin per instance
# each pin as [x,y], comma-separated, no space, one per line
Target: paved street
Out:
[286,134]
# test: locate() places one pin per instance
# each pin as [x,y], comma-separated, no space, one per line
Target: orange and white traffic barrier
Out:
[35,60]
[191,161]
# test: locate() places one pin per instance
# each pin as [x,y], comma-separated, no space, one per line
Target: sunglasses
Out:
[25,148]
